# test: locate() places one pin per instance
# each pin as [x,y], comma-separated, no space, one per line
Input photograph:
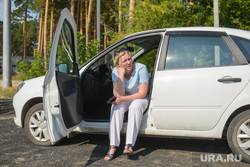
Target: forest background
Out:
[32,37]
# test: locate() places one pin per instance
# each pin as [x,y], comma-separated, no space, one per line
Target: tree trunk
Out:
[25,30]
[120,16]
[89,22]
[81,18]
[73,8]
[131,10]
[109,24]
[86,22]
[52,21]
[40,31]
[105,30]
[77,15]
[42,37]
[34,43]
[45,34]
[95,24]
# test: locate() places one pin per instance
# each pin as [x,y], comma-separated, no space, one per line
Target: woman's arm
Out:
[143,89]
[118,86]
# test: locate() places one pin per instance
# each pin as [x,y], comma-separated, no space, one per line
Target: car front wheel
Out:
[35,126]
[238,136]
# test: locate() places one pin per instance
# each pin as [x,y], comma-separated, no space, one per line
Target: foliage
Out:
[155,14]
[86,53]
[32,35]
[17,37]
[21,7]
[235,13]
[148,59]
[148,14]
[36,69]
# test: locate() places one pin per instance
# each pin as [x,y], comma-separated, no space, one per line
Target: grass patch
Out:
[9,92]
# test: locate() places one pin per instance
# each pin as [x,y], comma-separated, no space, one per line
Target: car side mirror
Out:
[63,68]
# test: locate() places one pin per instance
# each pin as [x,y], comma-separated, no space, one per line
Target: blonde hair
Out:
[116,57]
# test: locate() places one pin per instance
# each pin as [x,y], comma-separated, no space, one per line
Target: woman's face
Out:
[125,62]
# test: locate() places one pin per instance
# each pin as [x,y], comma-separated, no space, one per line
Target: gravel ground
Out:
[89,150]
[5,106]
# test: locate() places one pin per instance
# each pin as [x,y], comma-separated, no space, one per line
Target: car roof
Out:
[229,31]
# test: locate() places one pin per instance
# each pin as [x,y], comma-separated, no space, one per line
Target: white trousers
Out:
[135,112]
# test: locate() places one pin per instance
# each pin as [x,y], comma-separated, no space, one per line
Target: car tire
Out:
[35,126]
[239,134]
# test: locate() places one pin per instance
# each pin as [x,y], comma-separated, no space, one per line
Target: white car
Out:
[199,86]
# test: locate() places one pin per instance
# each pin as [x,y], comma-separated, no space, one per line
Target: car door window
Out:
[197,51]
[148,59]
[244,45]
[65,51]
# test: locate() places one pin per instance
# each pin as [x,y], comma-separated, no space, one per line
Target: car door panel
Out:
[196,81]
[186,99]
[69,88]
[61,85]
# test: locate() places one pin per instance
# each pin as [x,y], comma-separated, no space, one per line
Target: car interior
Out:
[96,81]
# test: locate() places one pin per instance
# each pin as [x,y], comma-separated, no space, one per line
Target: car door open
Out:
[61,93]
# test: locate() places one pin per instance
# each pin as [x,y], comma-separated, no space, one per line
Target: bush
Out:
[86,53]
[36,69]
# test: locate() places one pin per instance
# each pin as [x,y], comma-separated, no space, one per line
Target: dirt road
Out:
[89,150]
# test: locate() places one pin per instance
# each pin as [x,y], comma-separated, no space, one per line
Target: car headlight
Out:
[20,86]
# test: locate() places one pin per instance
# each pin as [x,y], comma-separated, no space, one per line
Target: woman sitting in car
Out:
[130,86]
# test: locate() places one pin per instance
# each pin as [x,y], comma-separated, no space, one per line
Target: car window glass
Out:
[197,51]
[65,49]
[148,59]
[108,58]
[244,45]
[142,50]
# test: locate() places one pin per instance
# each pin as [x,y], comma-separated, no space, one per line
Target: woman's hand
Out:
[118,100]
[121,72]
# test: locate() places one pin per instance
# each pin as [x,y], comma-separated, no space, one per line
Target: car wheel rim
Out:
[38,127]
[243,136]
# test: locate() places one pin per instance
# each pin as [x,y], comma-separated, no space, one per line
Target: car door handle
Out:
[229,80]
[56,106]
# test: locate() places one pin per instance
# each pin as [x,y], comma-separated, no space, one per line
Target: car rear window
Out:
[244,45]
[197,51]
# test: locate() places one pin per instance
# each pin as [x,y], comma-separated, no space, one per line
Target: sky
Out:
[12,8]
[2,8]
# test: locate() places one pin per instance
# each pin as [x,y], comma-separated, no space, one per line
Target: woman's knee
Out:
[119,109]
[139,104]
